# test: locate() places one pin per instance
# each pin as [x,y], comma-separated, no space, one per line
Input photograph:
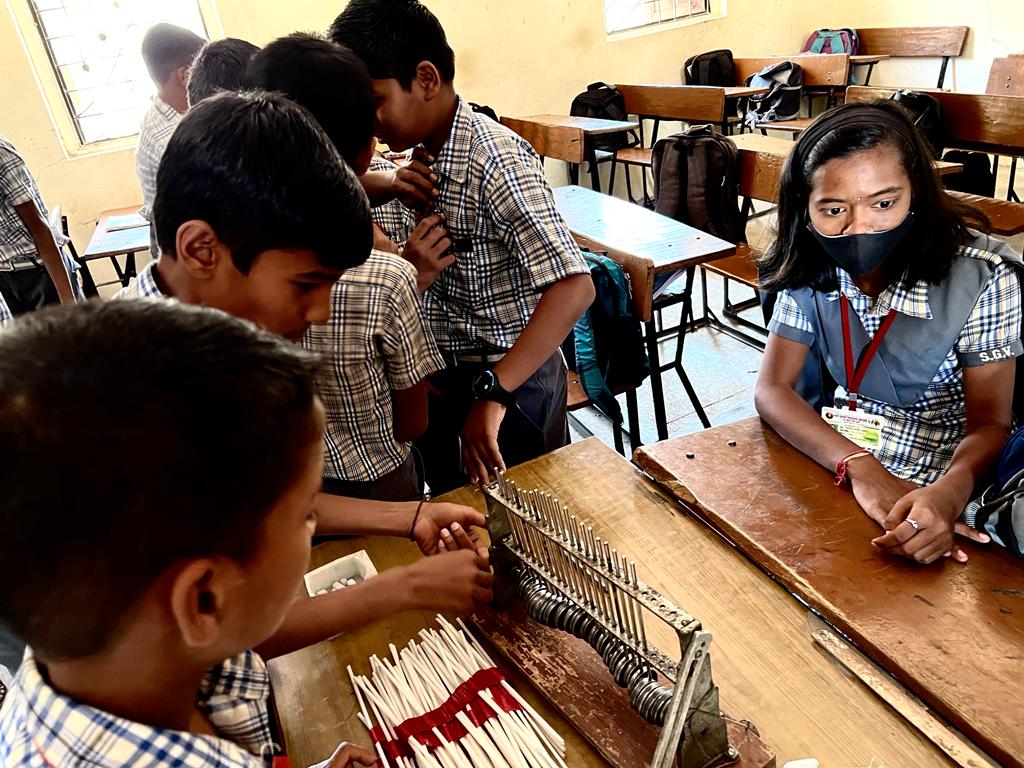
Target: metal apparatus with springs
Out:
[571,580]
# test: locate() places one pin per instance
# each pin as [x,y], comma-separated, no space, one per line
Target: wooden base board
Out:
[570,675]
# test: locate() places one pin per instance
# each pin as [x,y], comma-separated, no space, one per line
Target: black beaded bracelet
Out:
[415,518]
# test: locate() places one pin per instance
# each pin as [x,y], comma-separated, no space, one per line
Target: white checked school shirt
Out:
[496,201]
[376,342]
[393,218]
[5,312]
[919,441]
[143,286]
[16,187]
[40,728]
[158,124]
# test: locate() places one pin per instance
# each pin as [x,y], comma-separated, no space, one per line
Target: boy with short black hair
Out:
[219,66]
[374,391]
[168,51]
[519,282]
[141,614]
[264,236]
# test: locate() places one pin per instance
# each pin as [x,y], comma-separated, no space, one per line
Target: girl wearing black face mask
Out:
[889,291]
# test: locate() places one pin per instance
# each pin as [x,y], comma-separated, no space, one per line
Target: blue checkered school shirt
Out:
[919,441]
[496,201]
[5,311]
[143,286]
[40,728]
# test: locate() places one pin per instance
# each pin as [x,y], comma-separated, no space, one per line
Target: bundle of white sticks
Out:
[422,678]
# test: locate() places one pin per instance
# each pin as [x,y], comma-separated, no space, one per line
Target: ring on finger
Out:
[913,523]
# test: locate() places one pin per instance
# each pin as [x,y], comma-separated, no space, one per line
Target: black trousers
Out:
[26,290]
[536,426]
[403,483]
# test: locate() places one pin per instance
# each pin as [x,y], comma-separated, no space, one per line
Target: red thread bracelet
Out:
[841,478]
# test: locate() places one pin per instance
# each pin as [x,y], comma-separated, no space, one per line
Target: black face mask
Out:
[860,254]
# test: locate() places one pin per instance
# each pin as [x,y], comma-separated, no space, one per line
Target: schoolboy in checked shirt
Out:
[139,635]
[518,282]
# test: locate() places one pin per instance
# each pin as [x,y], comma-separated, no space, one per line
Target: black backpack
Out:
[483,109]
[711,68]
[606,347]
[602,101]
[785,83]
[926,114]
[976,178]
[696,181]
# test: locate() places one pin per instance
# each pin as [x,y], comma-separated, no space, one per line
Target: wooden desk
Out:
[742,91]
[866,60]
[773,145]
[591,127]
[768,669]
[954,634]
[651,247]
[106,244]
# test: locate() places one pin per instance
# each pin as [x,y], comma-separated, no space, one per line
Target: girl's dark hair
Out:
[796,260]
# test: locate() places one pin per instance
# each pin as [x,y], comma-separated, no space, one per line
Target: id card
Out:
[862,429]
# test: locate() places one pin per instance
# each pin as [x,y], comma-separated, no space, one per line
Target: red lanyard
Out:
[853,384]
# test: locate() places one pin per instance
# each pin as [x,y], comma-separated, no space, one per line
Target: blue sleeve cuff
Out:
[789,332]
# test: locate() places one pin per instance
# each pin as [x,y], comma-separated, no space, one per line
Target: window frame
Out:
[716,9]
[50,82]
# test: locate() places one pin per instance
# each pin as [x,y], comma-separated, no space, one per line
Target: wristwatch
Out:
[487,387]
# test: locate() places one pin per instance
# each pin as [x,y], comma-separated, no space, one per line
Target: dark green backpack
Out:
[607,341]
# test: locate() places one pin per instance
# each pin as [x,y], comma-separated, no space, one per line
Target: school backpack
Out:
[607,343]
[999,510]
[483,109]
[785,82]
[696,181]
[843,40]
[711,68]
[926,114]
[602,101]
[976,178]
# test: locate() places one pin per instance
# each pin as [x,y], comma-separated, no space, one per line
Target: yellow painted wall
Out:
[521,57]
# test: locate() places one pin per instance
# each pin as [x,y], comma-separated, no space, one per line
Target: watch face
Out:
[483,384]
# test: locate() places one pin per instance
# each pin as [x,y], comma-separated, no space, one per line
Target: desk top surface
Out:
[868,58]
[776,145]
[105,243]
[742,91]
[763,659]
[591,126]
[667,244]
[952,633]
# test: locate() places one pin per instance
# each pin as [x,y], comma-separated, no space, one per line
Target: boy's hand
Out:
[427,250]
[414,184]
[347,755]
[459,582]
[930,535]
[480,452]
[436,518]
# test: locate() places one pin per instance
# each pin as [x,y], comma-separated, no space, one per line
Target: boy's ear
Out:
[429,79]
[199,600]
[181,74]
[199,250]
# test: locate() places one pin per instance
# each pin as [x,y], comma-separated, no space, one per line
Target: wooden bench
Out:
[758,180]
[989,124]
[685,103]
[823,73]
[1006,78]
[933,42]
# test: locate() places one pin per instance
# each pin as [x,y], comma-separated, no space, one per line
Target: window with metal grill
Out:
[94,49]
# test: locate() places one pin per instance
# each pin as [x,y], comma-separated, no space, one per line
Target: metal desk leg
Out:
[677,363]
[657,390]
[591,155]
[88,284]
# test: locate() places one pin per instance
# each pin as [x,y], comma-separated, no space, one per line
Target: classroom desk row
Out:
[731,535]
